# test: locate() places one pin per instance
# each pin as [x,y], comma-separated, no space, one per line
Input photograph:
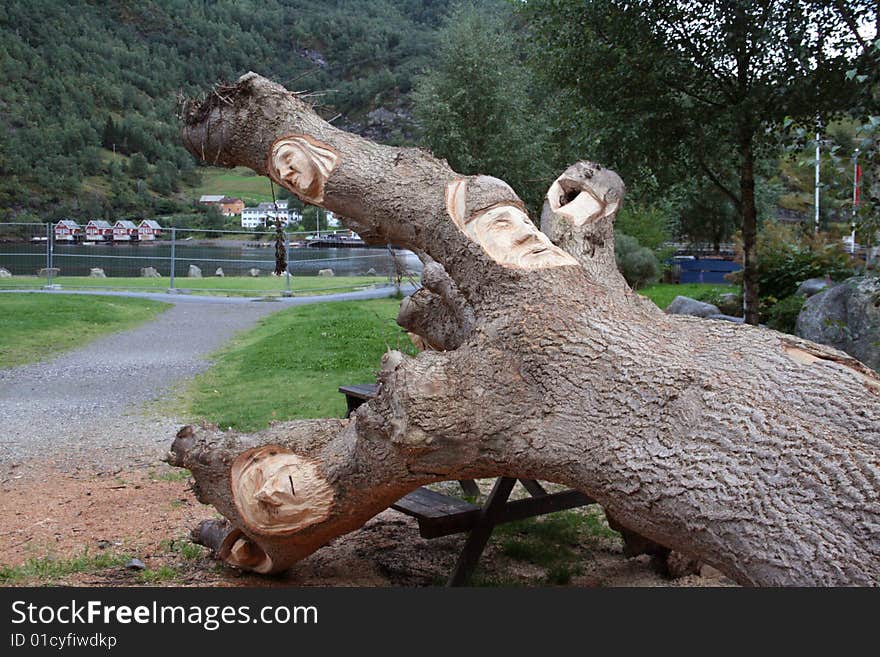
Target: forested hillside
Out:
[85,85]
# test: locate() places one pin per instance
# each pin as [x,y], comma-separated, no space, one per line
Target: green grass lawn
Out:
[663,294]
[229,285]
[239,182]
[35,327]
[291,365]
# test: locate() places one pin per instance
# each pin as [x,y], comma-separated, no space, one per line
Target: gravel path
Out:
[89,409]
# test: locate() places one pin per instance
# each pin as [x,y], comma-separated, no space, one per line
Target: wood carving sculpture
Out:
[302,165]
[755,452]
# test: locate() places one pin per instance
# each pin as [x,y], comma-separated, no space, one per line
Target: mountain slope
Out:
[83,82]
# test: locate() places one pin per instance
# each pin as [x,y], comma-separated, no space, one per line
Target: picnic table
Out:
[439,514]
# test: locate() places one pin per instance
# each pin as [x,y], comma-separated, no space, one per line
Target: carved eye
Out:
[501,223]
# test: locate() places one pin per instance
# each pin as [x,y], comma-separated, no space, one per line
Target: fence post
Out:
[48,248]
[173,244]
[49,255]
[287,291]
[390,264]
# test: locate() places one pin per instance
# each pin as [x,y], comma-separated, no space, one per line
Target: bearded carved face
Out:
[302,165]
[505,232]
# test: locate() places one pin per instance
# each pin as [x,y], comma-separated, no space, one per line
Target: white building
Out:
[98,230]
[255,217]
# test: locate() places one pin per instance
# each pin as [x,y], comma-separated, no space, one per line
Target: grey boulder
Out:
[813,286]
[687,306]
[727,318]
[847,317]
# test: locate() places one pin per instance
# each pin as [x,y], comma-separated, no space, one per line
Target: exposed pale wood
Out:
[504,231]
[302,165]
[578,215]
[278,492]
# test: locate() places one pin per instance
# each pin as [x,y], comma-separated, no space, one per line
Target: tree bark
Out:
[755,452]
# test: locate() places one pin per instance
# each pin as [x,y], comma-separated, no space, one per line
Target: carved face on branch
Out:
[506,233]
[302,165]
[279,492]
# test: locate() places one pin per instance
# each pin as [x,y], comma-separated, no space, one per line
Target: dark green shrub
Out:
[786,259]
[783,314]
[638,264]
[729,302]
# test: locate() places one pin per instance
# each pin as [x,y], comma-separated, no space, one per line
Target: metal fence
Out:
[197,261]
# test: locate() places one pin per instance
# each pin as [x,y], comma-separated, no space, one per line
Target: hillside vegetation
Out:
[89,90]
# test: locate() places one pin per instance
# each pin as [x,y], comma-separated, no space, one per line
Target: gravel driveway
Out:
[87,409]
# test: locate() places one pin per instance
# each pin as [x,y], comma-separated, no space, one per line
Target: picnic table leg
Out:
[535,489]
[482,530]
[352,403]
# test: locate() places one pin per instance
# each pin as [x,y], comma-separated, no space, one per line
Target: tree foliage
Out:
[474,106]
[637,263]
[83,80]
[684,89]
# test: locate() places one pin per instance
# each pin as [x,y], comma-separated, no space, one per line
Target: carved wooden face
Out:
[279,492]
[510,238]
[302,165]
[505,232]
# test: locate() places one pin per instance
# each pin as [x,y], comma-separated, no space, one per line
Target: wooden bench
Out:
[439,514]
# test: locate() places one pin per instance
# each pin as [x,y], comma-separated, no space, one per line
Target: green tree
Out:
[708,216]
[473,104]
[648,224]
[700,88]
[637,263]
[314,217]
[138,166]
[108,137]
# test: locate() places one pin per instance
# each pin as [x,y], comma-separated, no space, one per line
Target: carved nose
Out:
[526,239]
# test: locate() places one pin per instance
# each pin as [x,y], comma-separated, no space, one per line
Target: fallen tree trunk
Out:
[755,452]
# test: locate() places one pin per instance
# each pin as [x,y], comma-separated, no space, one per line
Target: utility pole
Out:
[852,246]
[817,181]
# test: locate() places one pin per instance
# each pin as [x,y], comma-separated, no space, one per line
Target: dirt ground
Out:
[50,520]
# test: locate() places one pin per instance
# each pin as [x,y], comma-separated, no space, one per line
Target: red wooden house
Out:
[125,231]
[149,230]
[67,230]
[98,230]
